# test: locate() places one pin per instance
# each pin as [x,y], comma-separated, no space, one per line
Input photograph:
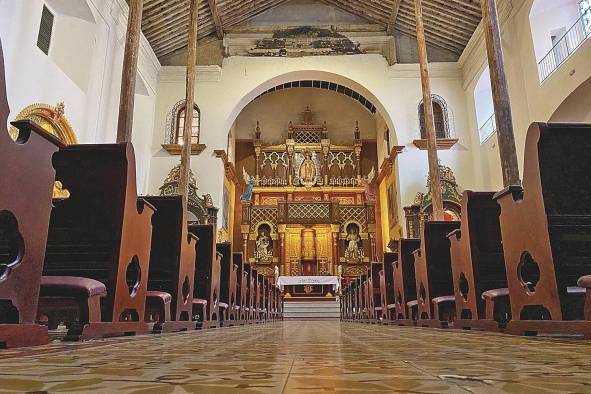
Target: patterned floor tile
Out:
[304,357]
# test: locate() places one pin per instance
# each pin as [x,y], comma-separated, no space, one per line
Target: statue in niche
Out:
[367,185]
[264,247]
[250,184]
[308,170]
[354,250]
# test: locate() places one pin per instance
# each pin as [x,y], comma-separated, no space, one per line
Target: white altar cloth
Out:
[307,280]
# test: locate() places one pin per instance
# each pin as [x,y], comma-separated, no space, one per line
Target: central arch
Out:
[313,75]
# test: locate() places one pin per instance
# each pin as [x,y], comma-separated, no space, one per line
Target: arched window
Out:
[180,125]
[440,117]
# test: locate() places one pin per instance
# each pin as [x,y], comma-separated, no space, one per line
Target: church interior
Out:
[285,196]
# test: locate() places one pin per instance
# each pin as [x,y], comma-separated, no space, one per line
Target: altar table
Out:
[308,280]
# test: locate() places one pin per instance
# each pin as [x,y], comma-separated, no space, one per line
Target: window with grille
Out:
[45,30]
[440,118]
[180,125]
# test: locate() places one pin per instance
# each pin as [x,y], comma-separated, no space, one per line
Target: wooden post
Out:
[436,197]
[128,75]
[500,92]
[189,100]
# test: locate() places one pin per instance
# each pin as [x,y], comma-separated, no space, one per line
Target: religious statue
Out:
[250,184]
[263,251]
[276,274]
[366,182]
[308,170]
[354,250]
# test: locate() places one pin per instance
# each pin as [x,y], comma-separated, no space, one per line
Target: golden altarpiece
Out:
[308,207]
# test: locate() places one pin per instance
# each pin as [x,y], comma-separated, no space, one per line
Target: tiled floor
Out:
[304,357]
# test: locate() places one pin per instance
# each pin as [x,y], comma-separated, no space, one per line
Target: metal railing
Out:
[565,46]
[487,129]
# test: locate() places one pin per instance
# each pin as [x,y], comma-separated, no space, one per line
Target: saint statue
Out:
[250,184]
[308,170]
[353,253]
[263,251]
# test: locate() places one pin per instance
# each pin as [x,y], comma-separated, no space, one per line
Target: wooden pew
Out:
[206,289]
[436,302]
[264,298]
[405,286]
[362,294]
[227,283]
[387,287]
[280,303]
[350,302]
[355,299]
[345,303]
[373,289]
[25,170]
[241,289]
[98,246]
[172,267]
[251,296]
[478,265]
[258,295]
[546,230]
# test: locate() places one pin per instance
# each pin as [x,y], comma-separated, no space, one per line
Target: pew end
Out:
[478,265]
[546,230]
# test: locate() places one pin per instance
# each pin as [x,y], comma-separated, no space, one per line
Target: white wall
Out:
[530,100]
[83,68]
[222,94]
[547,17]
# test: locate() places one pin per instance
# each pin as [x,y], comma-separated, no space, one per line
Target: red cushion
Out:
[585,281]
[199,301]
[494,293]
[412,303]
[439,300]
[223,305]
[66,285]
[165,297]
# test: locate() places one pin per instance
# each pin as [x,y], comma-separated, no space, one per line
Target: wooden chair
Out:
[251,293]
[100,235]
[405,286]
[344,301]
[362,294]
[387,287]
[25,170]
[258,299]
[585,283]
[241,289]
[172,267]
[478,265]
[206,290]
[436,302]
[546,230]
[373,289]
[355,299]
[227,283]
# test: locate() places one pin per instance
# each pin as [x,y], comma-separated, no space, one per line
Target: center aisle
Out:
[304,356]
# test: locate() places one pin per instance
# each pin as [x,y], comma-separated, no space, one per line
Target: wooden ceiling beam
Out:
[393,17]
[215,15]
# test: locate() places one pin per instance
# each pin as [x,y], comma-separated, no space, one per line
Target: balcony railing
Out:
[487,129]
[565,46]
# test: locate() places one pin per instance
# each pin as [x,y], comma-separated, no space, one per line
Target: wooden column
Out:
[189,100]
[500,92]
[129,73]
[436,196]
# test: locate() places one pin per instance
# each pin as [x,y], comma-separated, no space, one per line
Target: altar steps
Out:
[311,310]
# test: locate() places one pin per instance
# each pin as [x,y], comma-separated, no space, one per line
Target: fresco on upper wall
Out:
[305,41]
